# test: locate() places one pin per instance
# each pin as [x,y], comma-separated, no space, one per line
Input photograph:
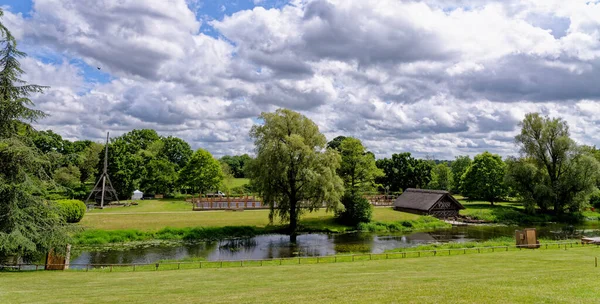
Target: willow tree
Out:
[293,171]
[554,171]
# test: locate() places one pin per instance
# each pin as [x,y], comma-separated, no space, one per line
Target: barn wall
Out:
[444,208]
[413,211]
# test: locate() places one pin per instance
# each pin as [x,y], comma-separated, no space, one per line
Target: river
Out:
[314,244]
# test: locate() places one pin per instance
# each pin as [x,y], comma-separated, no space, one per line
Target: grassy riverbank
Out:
[540,276]
[154,215]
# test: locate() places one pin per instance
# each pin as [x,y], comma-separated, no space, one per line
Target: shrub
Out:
[71,210]
[357,209]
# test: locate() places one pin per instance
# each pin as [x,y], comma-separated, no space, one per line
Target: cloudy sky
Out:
[434,78]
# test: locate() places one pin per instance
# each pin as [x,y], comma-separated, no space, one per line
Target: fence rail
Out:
[254,202]
[288,261]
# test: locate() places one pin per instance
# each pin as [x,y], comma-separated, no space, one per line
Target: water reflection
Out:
[318,244]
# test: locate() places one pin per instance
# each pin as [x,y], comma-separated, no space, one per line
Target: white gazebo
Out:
[137,194]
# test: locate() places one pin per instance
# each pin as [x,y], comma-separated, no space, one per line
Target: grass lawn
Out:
[539,276]
[156,214]
[236,182]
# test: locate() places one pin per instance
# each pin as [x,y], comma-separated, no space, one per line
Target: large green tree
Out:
[459,166]
[160,177]
[358,169]
[176,150]
[15,105]
[29,226]
[293,171]
[564,174]
[441,177]
[237,164]
[484,179]
[403,171]
[202,173]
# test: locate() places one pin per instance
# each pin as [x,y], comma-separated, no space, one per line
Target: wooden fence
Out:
[290,261]
[254,202]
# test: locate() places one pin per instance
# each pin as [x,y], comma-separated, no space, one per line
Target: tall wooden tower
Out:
[104,190]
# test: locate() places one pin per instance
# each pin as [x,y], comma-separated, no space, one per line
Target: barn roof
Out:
[423,199]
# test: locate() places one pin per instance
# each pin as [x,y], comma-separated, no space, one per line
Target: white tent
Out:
[137,194]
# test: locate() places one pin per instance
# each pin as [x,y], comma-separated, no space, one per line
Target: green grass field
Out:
[527,276]
[157,214]
[236,182]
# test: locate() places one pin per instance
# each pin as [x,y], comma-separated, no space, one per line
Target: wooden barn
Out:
[437,203]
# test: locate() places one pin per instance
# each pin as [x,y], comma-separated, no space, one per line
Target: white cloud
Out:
[437,78]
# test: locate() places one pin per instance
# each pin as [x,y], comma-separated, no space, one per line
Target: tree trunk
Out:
[293,222]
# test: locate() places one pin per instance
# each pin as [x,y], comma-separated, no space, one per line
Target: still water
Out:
[315,244]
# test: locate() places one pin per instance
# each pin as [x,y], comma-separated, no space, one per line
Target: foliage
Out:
[403,171]
[29,226]
[15,105]
[176,151]
[441,177]
[71,210]
[290,170]
[358,169]
[202,173]
[357,209]
[484,179]
[160,177]
[422,223]
[563,175]
[595,199]
[459,166]
[336,143]
[237,164]
[102,237]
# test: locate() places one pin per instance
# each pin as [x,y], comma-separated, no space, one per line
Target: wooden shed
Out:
[437,203]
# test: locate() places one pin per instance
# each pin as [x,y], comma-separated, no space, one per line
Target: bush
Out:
[71,210]
[357,209]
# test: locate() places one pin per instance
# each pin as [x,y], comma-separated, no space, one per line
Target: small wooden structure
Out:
[437,203]
[58,262]
[527,238]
